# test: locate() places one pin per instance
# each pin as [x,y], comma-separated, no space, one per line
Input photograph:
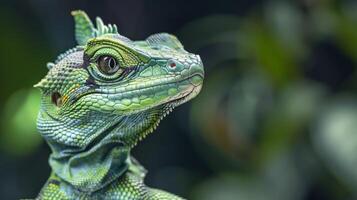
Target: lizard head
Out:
[109,84]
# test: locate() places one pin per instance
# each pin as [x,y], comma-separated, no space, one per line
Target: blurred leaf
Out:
[347,35]
[285,21]
[248,103]
[20,135]
[266,50]
[328,21]
[231,187]
[335,139]
[283,178]
[279,180]
[24,54]
[293,110]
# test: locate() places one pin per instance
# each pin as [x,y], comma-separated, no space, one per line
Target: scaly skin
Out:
[99,99]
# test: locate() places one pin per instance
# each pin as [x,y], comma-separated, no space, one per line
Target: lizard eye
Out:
[108,65]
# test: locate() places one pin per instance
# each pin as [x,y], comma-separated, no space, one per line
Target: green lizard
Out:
[102,97]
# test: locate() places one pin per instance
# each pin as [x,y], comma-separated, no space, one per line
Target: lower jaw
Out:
[165,109]
[191,89]
[186,97]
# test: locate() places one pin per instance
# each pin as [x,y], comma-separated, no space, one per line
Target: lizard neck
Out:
[107,157]
[91,170]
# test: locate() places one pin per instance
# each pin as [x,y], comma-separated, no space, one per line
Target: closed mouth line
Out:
[153,86]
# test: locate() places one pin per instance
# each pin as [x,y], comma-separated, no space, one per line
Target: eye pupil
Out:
[112,63]
[108,65]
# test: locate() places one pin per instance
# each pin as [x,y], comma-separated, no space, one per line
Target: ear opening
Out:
[56,99]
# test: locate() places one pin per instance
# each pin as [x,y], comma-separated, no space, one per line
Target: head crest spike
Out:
[100,26]
[102,29]
[84,29]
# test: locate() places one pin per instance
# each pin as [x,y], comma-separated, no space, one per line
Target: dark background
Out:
[276,119]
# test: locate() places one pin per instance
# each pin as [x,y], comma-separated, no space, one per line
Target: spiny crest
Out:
[104,29]
[85,30]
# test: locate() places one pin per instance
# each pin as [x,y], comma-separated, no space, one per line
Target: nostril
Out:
[56,99]
[172,65]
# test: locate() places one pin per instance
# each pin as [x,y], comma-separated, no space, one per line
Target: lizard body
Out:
[100,99]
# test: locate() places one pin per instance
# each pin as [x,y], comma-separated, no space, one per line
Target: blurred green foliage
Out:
[335,138]
[261,106]
[19,135]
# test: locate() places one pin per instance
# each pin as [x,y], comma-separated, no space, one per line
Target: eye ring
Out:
[108,65]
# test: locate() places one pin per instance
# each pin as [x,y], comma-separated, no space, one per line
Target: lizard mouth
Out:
[193,87]
[151,84]
[187,95]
